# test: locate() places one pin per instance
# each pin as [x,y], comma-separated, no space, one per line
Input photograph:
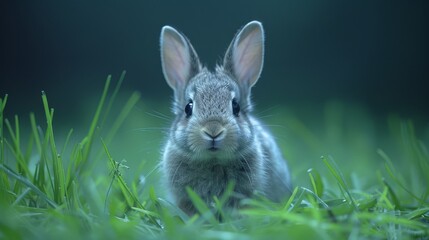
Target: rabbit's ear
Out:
[179,59]
[245,56]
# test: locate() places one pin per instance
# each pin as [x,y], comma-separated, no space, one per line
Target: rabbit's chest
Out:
[212,180]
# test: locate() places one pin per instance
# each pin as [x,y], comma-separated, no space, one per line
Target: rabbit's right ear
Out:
[179,59]
[245,55]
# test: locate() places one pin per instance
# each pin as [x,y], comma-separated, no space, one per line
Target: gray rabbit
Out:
[214,139]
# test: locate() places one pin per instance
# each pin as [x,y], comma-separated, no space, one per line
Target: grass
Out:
[48,191]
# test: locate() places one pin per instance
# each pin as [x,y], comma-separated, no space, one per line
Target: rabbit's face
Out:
[212,125]
[212,108]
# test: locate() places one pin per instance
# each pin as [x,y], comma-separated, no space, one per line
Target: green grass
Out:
[365,185]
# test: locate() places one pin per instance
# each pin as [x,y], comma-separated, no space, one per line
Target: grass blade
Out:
[113,97]
[333,168]
[27,183]
[396,176]
[4,181]
[131,198]
[316,182]
[129,105]
[201,206]
[58,169]
[88,141]
[15,147]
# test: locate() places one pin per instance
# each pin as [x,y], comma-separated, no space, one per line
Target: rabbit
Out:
[214,139]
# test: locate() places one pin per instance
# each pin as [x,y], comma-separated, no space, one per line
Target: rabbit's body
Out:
[214,139]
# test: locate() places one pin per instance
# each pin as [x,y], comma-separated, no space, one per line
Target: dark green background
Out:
[374,53]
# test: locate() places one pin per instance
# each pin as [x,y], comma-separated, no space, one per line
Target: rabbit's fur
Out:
[214,139]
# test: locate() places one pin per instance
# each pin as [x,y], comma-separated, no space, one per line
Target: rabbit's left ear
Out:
[245,55]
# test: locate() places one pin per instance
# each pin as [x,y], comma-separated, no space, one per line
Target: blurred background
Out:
[335,71]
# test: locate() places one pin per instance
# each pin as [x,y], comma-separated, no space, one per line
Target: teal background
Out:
[374,53]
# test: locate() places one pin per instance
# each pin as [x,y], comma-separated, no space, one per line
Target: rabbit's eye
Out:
[235,107]
[188,108]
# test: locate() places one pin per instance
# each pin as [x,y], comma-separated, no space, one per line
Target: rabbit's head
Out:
[212,108]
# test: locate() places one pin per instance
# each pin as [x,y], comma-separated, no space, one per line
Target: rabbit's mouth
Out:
[213,149]
[214,145]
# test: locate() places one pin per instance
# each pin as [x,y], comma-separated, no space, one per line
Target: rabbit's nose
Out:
[213,132]
[214,136]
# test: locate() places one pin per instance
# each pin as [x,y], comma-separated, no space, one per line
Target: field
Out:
[355,176]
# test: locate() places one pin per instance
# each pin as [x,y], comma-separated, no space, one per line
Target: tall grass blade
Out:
[88,141]
[113,97]
[57,164]
[15,147]
[129,105]
[4,181]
